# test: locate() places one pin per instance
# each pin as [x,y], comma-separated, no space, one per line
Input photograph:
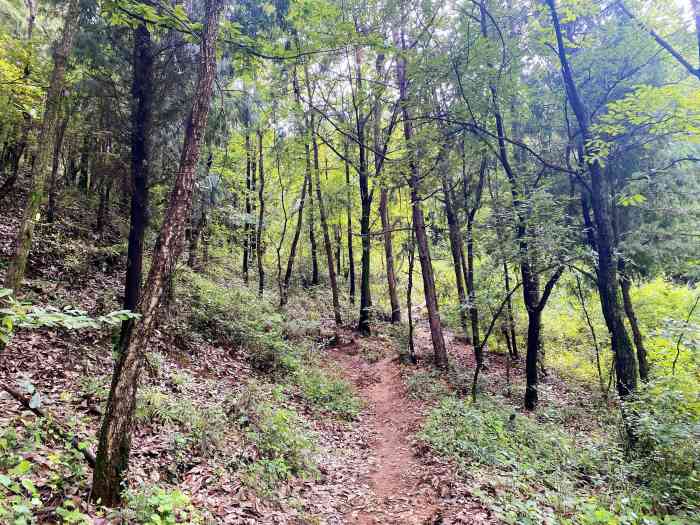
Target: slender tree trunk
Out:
[115,435]
[322,214]
[389,254]
[625,362]
[246,228]
[312,223]
[326,237]
[509,313]
[455,248]
[15,156]
[105,191]
[142,123]
[471,291]
[409,296]
[363,325]
[638,338]
[53,180]
[261,215]
[438,340]
[338,235]
[284,296]
[348,210]
[40,168]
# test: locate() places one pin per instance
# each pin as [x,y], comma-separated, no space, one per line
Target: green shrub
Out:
[532,472]
[204,427]
[328,393]
[237,316]
[666,420]
[284,445]
[426,385]
[158,506]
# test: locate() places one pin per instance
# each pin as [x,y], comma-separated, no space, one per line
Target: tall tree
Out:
[117,425]
[41,166]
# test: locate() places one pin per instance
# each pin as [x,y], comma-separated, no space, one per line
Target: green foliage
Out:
[204,427]
[236,316]
[666,420]
[532,472]
[159,506]
[426,385]
[16,314]
[25,481]
[283,445]
[327,392]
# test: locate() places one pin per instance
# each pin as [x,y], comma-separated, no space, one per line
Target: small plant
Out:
[158,506]
[328,393]
[15,315]
[426,385]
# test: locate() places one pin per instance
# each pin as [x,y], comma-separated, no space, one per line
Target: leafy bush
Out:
[284,446]
[205,427]
[666,420]
[15,314]
[158,506]
[282,442]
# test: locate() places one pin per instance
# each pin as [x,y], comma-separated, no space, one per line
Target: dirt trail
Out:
[400,495]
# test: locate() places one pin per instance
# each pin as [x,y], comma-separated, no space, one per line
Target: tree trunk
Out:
[348,210]
[246,228]
[312,226]
[509,313]
[284,296]
[438,340]
[40,168]
[53,180]
[625,362]
[389,254]
[105,191]
[625,285]
[115,434]
[326,237]
[15,156]
[261,215]
[455,247]
[142,122]
[534,326]
[363,325]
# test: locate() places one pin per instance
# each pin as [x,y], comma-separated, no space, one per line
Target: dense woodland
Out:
[260,256]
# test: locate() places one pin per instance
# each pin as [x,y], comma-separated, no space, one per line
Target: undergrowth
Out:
[533,472]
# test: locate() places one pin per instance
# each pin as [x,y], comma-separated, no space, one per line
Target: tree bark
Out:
[389,254]
[312,226]
[142,123]
[455,247]
[348,210]
[40,168]
[248,210]
[363,325]
[261,215]
[637,337]
[115,435]
[53,180]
